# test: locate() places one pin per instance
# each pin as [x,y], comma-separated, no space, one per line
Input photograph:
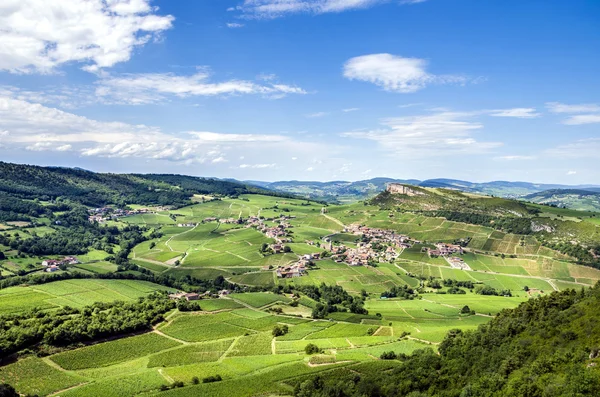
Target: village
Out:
[53,265]
[105,214]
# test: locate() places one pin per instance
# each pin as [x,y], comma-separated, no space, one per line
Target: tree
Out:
[311,348]
[7,390]
[2,256]
[465,310]
[280,330]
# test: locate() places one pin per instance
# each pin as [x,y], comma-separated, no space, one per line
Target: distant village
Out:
[105,214]
[375,245]
[53,265]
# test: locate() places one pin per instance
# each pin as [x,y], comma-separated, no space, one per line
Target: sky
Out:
[305,89]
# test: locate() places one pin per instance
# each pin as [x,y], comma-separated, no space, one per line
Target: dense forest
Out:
[546,347]
[26,182]
[76,235]
[332,299]
[67,326]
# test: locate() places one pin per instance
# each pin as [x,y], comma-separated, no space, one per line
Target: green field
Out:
[232,336]
[74,293]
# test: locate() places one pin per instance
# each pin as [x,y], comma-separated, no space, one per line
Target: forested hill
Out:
[545,347]
[97,189]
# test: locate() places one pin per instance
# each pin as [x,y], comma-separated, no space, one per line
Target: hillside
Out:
[345,191]
[334,191]
[24,182]
[578,199]
[545,347]
[575,233]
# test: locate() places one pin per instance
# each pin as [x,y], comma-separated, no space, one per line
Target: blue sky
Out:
[305,89]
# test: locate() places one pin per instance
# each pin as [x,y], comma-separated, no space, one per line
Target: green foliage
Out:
[7,390]
[403,291]
[311,348]
[280,330]
[545,347]
[95,189]
[113,352]
[211,379]
[332,299]
[67,326]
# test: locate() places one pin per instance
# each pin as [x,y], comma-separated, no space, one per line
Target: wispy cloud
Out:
[39,35]
[316,115]
[583,148]
[592,110]
[257,166]
[278,8]
[147,88]
[348,110]
[515,158]
[581,119]
[395,73]
[440,134]
[557,107]
[235,25]
[520,113]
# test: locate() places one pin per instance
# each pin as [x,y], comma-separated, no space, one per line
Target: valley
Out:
[246,331]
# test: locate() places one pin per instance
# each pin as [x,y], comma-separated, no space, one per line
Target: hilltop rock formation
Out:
[398,188]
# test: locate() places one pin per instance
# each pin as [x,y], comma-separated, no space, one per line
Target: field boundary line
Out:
[56,393]
[158,332]
[229,349]
[167,377]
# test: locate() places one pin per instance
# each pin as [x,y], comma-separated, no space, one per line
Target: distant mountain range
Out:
[576,197]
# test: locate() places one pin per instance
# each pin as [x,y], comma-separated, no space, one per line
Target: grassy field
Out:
[233,337]
[74,293]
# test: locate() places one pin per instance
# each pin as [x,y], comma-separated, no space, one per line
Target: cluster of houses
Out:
[299,268]
[192,296]
[366,252]
[457,263]
[189,224]
[53,265]
[290,271]
[443,249]
[105,214]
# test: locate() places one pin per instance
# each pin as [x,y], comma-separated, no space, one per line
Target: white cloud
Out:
[582,148]
[235,25]
[557,107]
[154,87]
[279,8]
[515,158]
[350,110]
[395,73]
[409,105]
[520,113]
[581,119]
[571,172]
[258,166]
[440,134]
[310,169]
[40,35]
[317,115]
[40,128]
[412,1]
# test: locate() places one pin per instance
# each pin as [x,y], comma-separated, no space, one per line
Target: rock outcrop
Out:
[398,188]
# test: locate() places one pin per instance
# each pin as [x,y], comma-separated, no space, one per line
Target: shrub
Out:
[195,380]
[280,330]
[311,348]
[211,379]
[388,355]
